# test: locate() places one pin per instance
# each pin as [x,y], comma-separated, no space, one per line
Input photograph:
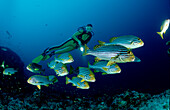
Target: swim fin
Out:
[46,57]
[38,59]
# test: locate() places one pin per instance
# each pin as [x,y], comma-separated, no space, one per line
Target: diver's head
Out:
[89,27]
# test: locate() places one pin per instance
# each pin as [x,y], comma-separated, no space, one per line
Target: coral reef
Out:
[129,100]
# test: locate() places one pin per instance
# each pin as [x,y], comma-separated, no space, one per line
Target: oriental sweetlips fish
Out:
[39,80]
[8,71]
[129,41]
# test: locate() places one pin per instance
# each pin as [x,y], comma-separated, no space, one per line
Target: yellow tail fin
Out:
[161,34]
[85,51]
[67,80]
[89,64]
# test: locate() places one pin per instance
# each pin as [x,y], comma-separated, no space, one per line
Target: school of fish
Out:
[107,55]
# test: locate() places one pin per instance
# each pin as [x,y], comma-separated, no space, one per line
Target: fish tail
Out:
[67,80]
[53,78]
[71,70]
[161,34]
[85,51]
[55,59]
[89,65]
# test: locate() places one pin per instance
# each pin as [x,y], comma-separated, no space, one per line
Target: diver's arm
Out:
[74,36]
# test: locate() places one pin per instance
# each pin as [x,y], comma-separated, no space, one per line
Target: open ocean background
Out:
[29,26]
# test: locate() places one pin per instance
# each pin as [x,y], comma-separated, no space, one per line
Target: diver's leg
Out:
[69,46]
[68,43]
[64,50]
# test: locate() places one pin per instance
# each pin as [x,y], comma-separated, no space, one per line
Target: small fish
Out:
[8,71]
[35,68]
[164,27]
[52,64]
[101,67]
[61,69]
[76,81]
[129,41]
[9,35]
[64,58]
[86,74]
[168,43]
[39,80]
[4,49]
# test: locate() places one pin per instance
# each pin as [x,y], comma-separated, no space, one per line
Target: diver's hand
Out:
[81,47]
[79,44]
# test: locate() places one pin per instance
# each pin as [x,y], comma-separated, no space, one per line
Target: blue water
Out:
[35,25]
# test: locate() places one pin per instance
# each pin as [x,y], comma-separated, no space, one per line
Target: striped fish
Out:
[64,58]
[61,69]
[39,80]
[76,81]
[86,74]
[113,53]
[51,64]
[101,67]
[129,41]
[164,27]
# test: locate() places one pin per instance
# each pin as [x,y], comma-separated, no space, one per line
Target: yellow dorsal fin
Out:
[101,42]
[96,59]
[105,69]
[39,87]
[73,85]
[57,71]
[78,87]
[110,63]
[81,76]
[96,46]
[112,39]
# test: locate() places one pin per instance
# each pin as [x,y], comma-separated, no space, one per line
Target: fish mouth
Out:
[28,81]
[133,58]
[28,68]
[92,80]
[118,71]
[141,43]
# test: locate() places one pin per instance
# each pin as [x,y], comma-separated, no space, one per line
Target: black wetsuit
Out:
[83,42]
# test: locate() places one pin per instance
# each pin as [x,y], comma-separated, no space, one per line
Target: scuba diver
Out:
[78,40]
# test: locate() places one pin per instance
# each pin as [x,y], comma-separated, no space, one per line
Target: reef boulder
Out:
[16,82]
